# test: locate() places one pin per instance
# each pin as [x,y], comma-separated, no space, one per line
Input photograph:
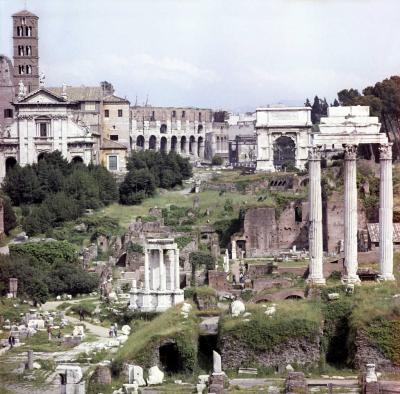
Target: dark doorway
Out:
[10,163]
[122,261]
[207,343]
[163,145]
[140,142]
[170,358]
[174,142]
[152,142]
[77,160]
[284,153]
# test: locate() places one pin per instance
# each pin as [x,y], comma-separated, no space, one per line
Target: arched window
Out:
[163,128]
[29,31]
[20,50]
[29,50]
[19,31]
[29,69]
[21,70]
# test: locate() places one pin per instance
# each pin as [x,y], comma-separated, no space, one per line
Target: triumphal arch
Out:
[344,129]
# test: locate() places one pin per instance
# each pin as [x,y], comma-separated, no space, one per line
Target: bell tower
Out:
[26,49]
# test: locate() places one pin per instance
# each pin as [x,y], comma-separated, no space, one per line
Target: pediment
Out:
[42,96]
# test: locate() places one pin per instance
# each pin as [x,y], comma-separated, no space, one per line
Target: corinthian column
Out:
[386,214]
[316,275]
[350,214]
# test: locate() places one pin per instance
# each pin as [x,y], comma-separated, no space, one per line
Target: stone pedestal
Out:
[350,214]
[386,214]
[316,275]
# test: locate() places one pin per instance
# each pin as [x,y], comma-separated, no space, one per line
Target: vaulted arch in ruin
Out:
[140,142]
[183,144]
[192,142]
[10,163]
[163,144]
[153,142]
[284,152]
[174,143]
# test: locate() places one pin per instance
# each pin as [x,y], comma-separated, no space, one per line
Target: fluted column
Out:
[146,270]
[350,214]
[163,276]
[171,264]
[316,274]
[177,271]
[386,214]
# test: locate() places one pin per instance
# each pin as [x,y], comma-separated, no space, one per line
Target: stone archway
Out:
[11,162]
[183,144]
[163,144]
[284,152]
[200,147]
[163,128]
[140,142]
[152,142]
[174,143]
[77,160]
[192,142]
[41,156]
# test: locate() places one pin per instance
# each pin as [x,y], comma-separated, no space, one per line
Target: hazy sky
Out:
[233,54]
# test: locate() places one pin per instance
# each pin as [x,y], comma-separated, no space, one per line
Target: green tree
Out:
[217,160]
[137,185]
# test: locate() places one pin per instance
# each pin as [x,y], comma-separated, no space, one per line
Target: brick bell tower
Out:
[26,50]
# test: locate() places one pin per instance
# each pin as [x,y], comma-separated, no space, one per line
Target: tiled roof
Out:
[42,89]
[373,230]
[80,93]
[24,13]
[115,99]
[108,144]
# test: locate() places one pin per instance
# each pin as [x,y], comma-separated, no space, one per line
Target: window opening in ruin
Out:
[120,113]
[29,69]
[293,297]
[163,144]
[199,116]
[298,214]
[140,141]
[152,118]
[174,114]
[113,163]
[183,144]
[174,142]
[21,70]
[122,261]
[200,128]
[170,358]
[106,113]
[183,114]
[163,128]
[8,113]
[114,137]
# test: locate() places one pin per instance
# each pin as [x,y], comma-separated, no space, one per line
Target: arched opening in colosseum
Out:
[163,128]
[192,142]
[10,163]
[284,152]
[294,297]
[199,128]
[218,144]
[183,144]
[140,142]
[41,156]
[152,142]
[200,147]
[174,142]
[77,160]
[163,144]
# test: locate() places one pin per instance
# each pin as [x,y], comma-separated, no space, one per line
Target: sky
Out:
[221,54]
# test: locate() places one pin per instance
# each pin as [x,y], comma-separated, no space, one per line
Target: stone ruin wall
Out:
[265,233]
[333,221]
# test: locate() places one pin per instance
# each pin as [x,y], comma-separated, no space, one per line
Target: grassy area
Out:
[171,324]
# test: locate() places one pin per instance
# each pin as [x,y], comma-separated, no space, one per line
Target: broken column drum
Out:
[161,288]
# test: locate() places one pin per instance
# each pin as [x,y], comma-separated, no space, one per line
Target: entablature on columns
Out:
[162,243]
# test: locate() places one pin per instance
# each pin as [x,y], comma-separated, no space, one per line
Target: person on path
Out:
[49,332]
[11,341]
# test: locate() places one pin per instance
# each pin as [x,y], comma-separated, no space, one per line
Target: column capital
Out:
[314,153]
[350,152]
[385,151]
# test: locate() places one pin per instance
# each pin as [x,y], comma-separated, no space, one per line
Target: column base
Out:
[178,297]
[355,279]
[163,300]
[386,277]
[316,281]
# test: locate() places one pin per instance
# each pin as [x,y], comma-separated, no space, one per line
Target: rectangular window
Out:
[113,163]
[199,116]
[42,129]
[173,114]
[120,113]
[106,113]
[153,116]
[8,113]
[90,106]
[114,137]
[183,114]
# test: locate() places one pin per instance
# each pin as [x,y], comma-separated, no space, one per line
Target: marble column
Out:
[386,213]
[316,274]
[163,276]
[194,148]
[350,214]
[171,263]
[177,271]
[146,270]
